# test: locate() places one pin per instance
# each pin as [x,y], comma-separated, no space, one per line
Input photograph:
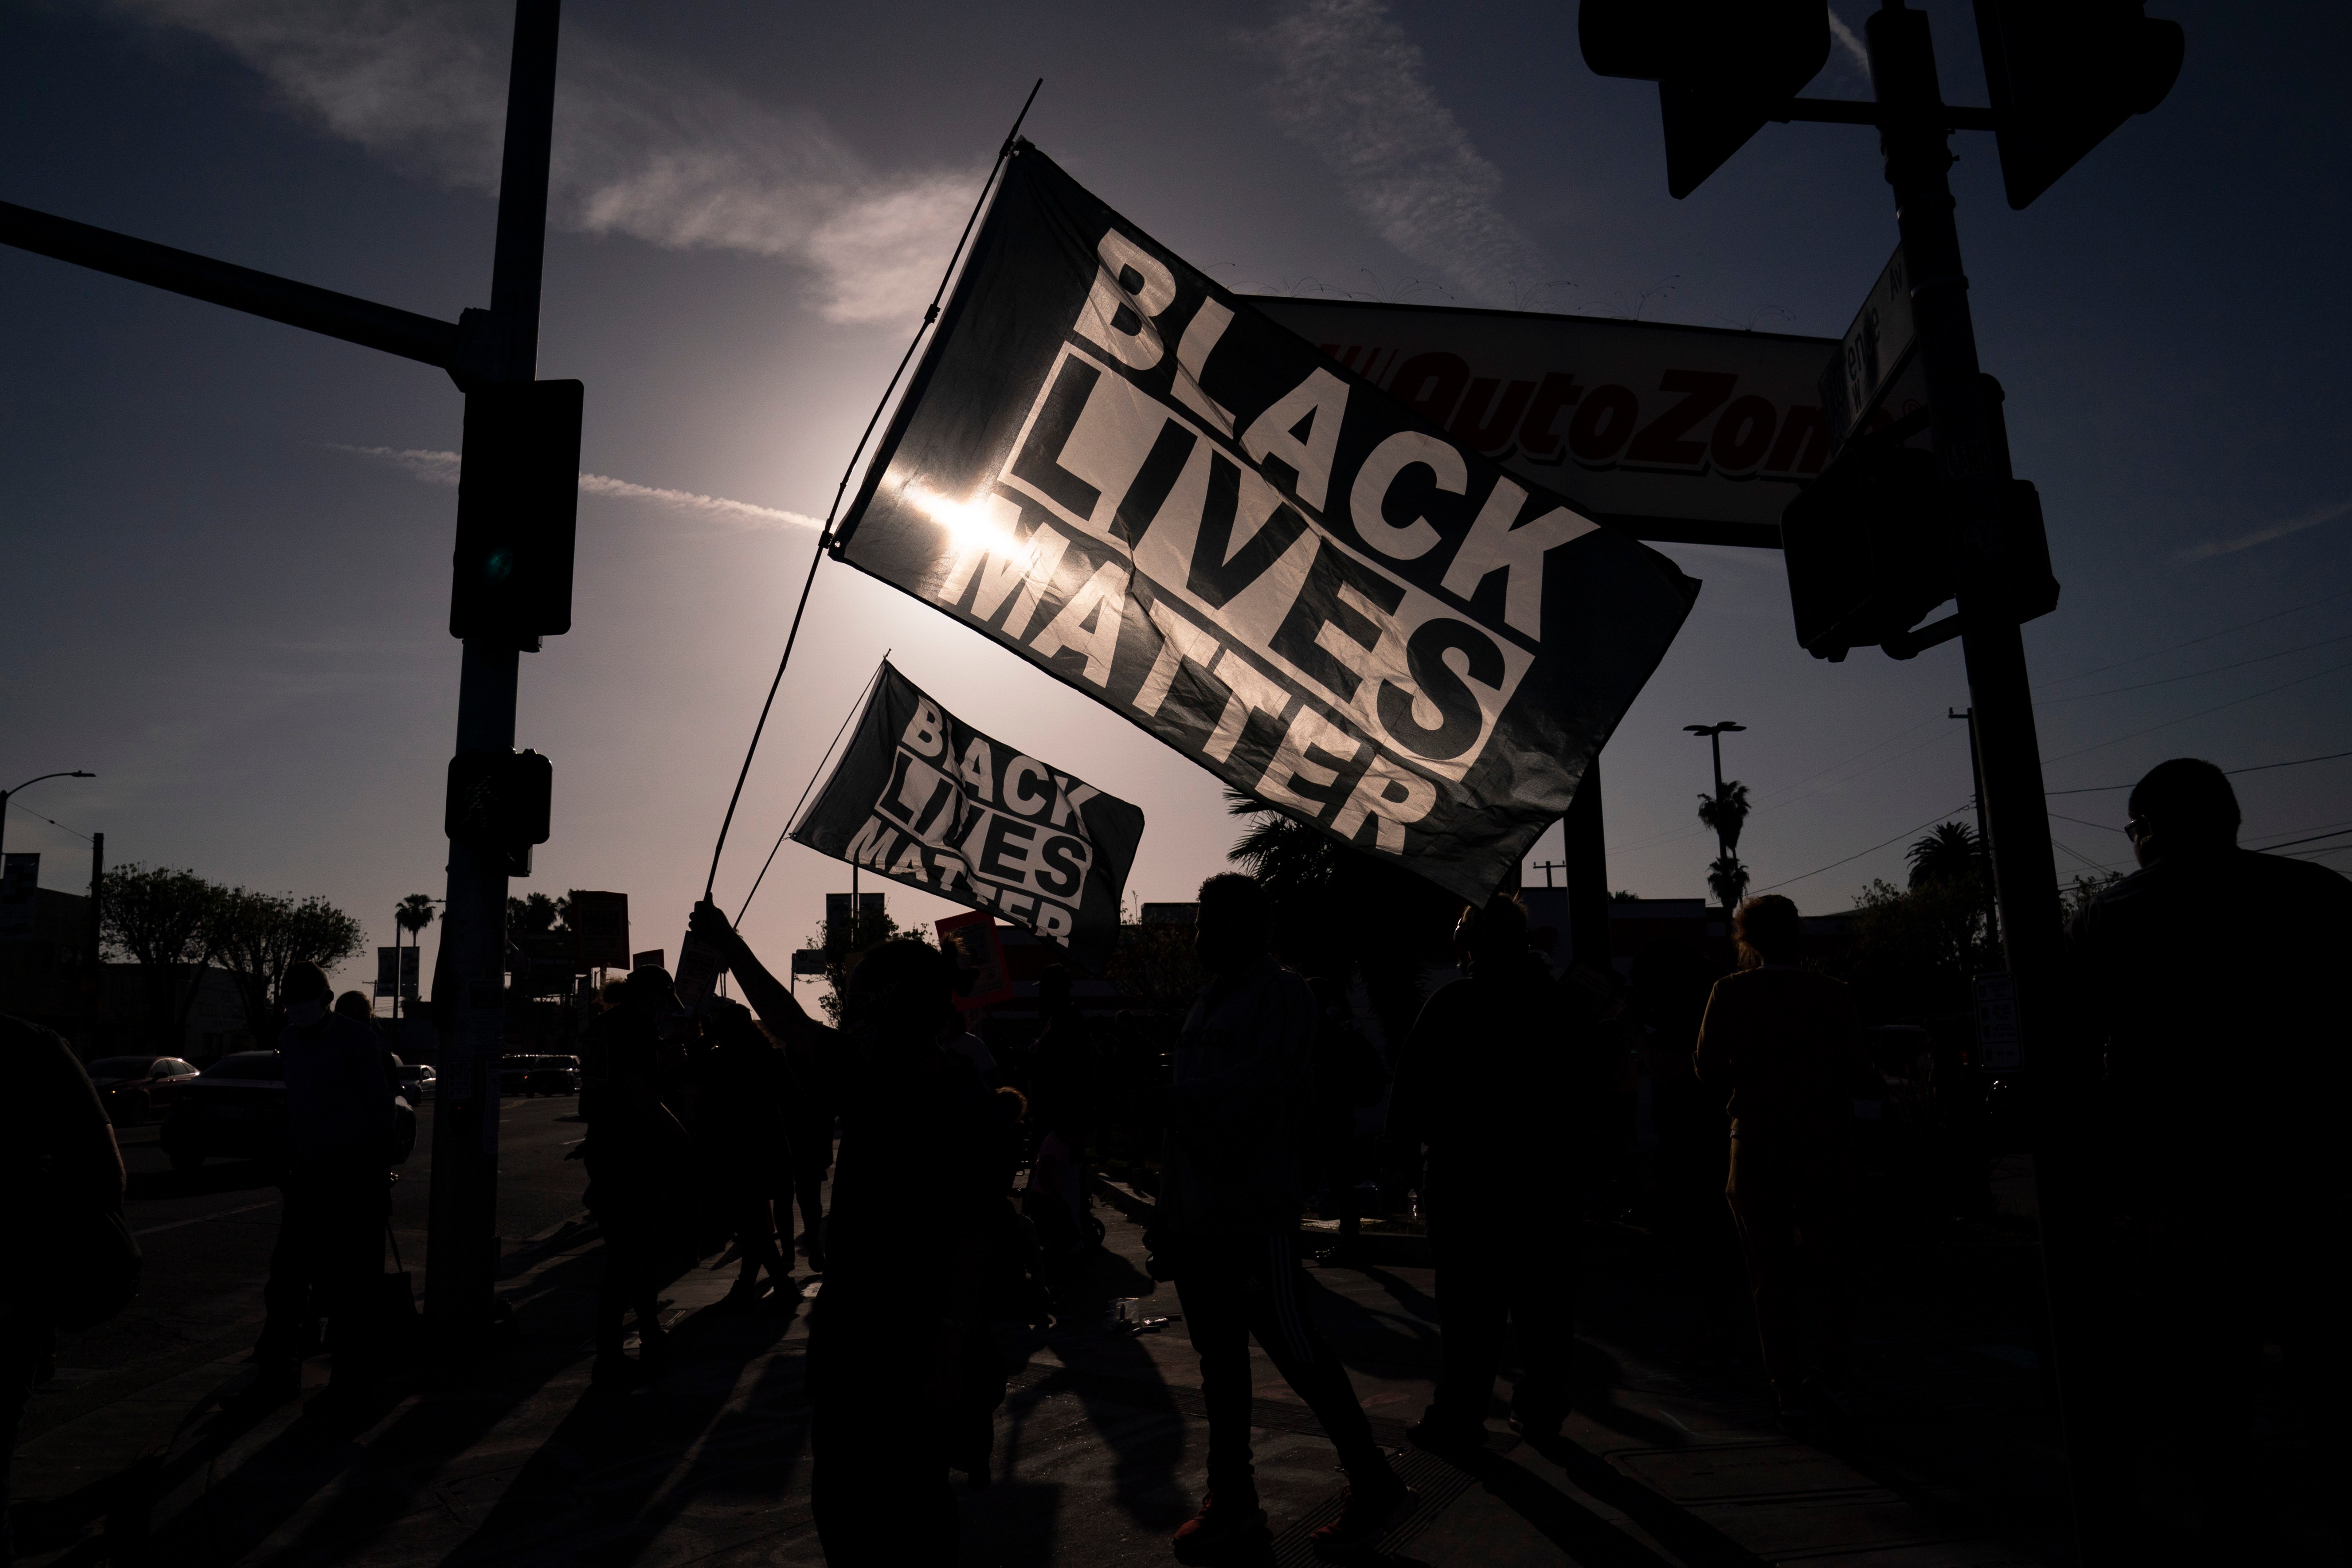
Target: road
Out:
[207,1235]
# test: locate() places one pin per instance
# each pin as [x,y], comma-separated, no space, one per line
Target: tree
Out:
[1949,854]
[262,935]
[164,920]
[1727,880]
[868,928]
[1726,813]
[415,913]
[537,915]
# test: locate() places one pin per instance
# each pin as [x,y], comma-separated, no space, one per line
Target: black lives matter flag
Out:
[1121,471]
[926,800]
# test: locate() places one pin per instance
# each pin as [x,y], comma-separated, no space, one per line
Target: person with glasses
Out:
[2211,979]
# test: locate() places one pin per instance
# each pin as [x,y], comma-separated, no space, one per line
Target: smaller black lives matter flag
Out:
[1117,469]
[926,800]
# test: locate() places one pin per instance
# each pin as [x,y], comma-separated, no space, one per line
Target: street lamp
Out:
[28,783]
[1727,831]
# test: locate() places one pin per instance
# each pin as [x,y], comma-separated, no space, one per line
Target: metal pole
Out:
[1585,852]
[461,1244]
[1973,461]
[93,983]
[1984,838]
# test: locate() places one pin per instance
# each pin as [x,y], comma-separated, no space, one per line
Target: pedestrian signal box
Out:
[1868,545]
[1875,543]
[500,802]
[518,513]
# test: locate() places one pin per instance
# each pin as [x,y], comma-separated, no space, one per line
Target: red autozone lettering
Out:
[1686,420]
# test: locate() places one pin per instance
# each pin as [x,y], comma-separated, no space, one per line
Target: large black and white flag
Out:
[1117,469]
[926,800]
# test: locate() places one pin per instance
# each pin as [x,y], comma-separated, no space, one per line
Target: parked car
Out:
[520,1075]
[235,1109]
[134,1089]
[416,1080]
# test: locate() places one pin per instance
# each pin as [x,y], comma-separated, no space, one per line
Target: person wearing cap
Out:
[338,1192]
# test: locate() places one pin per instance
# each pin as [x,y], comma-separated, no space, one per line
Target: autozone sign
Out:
[1668,432]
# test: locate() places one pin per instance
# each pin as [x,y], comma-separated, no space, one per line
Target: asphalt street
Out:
[206,1236]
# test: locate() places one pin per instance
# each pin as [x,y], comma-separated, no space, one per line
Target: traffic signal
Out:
[1723,67]
[2063,74]
[1868,544]
[500,801]
[1874,543]
[518,512]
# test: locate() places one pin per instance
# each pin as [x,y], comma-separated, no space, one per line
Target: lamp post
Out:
[1723,840]
[6,793]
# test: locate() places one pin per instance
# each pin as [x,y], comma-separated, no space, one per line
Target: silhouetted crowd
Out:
[2188,1091]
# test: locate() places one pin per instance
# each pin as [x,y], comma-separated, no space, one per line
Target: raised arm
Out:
[770,998]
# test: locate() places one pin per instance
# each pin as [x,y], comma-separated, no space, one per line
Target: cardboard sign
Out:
[982,978]
[600,925]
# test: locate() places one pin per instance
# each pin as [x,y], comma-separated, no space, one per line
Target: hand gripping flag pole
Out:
[825,535]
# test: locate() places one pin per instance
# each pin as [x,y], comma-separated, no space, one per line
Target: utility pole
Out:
[462,1242]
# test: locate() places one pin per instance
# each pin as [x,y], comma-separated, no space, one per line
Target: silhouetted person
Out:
[1350,1077]
[2214,979]
[1667,992]
[899,1353]
[1483,1082]
[634,1149]
[337,1191]
[1227,1220]
[1062,1064]
[62,1170]
[741,1124]
[1784,1045]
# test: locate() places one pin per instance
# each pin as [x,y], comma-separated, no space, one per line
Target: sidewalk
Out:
[512,1458]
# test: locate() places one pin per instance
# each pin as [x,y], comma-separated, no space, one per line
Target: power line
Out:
[2185,718]
[2194,674]
[1858,853]
[1787,799]
[2258,768]
[2192,642]
[53,822]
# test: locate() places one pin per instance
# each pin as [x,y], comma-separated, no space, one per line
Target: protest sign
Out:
[1125,473]
[925,799]
[982,979]
[600,925]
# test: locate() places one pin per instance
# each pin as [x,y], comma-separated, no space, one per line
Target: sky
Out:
[227,541]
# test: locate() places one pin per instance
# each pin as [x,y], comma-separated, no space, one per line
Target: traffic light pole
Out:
[1971,452]
[462,1240]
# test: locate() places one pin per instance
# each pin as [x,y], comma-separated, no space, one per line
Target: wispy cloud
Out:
[441,468]
[643,147]
[1352,85]
[1857,52]
[2263,535]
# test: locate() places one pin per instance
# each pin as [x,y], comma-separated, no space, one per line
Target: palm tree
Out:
[1949,854]
[413,915]
[1725,812]
[1727,880]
